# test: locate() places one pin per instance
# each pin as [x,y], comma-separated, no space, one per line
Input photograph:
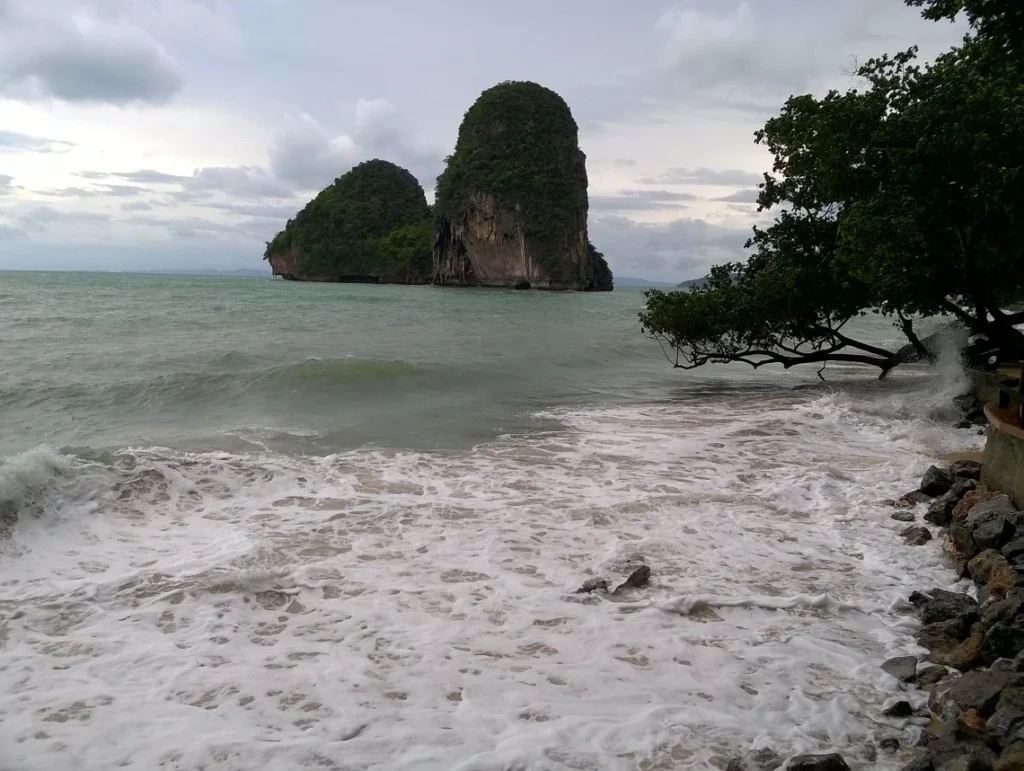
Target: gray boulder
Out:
[940,512]
[1003,611]
[916,536]
[972,762]
[756,760]
[962,537]
[833,762]
[903,668]
[980,690]
[922,763]
[1002,641]
[993,508]
[936,482]
[944,636]
[994,534]
[961,487]
[965,469]
[944,605]
[1013,549]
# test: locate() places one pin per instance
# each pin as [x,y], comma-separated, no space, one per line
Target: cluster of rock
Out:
[975,678]
[972,411]
[974,720]
[769,760]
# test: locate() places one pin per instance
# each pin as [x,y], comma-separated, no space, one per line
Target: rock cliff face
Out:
[285,264]
[511,204]
[488,245]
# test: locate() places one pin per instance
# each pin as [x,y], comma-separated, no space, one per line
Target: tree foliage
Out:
[373,220]
[1001,21]
[519,143]
[904,197]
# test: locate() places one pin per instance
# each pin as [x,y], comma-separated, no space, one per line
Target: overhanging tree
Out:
[903,197]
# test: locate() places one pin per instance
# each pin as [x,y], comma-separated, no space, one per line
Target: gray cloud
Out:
[39,218]
[250,230]
[82,57]
[70,192]
[119,191]
[309,156]
[6,184]
[133,206]
[9,233]
[13,142]
[625,163]
[241,181]
[145,176]
[267,211]
[673,251]
[640,200]
[702,176]
[747,195]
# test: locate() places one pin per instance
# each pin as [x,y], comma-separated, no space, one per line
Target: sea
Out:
[251,524]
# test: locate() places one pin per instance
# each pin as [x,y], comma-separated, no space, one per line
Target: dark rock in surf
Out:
[961,487]
[916,536]
[833,762]
[929,677]
[918,599]
[943,636]
[911,499]
[903,668]
[940,512]
[903,516]
[936,482]
[756,760]
[890,745]
[899,709]
[638,579]
[945,606]
[593,585]
[981,691]
[966,469]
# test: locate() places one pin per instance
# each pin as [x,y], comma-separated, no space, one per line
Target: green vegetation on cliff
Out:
[519,144]
[603,281]
[374,220]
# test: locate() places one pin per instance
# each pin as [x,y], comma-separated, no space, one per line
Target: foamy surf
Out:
[399,610]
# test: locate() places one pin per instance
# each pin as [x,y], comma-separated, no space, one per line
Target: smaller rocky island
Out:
[373,225]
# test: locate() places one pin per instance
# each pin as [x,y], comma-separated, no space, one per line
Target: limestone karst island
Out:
[510,209]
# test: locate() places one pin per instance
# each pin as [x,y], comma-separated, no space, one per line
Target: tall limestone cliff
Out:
[511,205]
[371,225]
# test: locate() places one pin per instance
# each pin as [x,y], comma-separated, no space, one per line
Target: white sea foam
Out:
[28,473]
[373,610]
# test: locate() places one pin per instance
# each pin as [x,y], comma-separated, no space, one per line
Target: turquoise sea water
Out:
[97,360]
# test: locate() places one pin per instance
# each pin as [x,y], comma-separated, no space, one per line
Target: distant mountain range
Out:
[265,273]
[693,283]
[632,281]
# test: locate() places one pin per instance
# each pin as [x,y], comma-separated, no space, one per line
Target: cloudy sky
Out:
[147,134]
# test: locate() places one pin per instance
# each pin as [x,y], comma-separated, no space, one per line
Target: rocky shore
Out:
[964,702]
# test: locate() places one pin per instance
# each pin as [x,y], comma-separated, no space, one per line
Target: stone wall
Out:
[1003,467]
